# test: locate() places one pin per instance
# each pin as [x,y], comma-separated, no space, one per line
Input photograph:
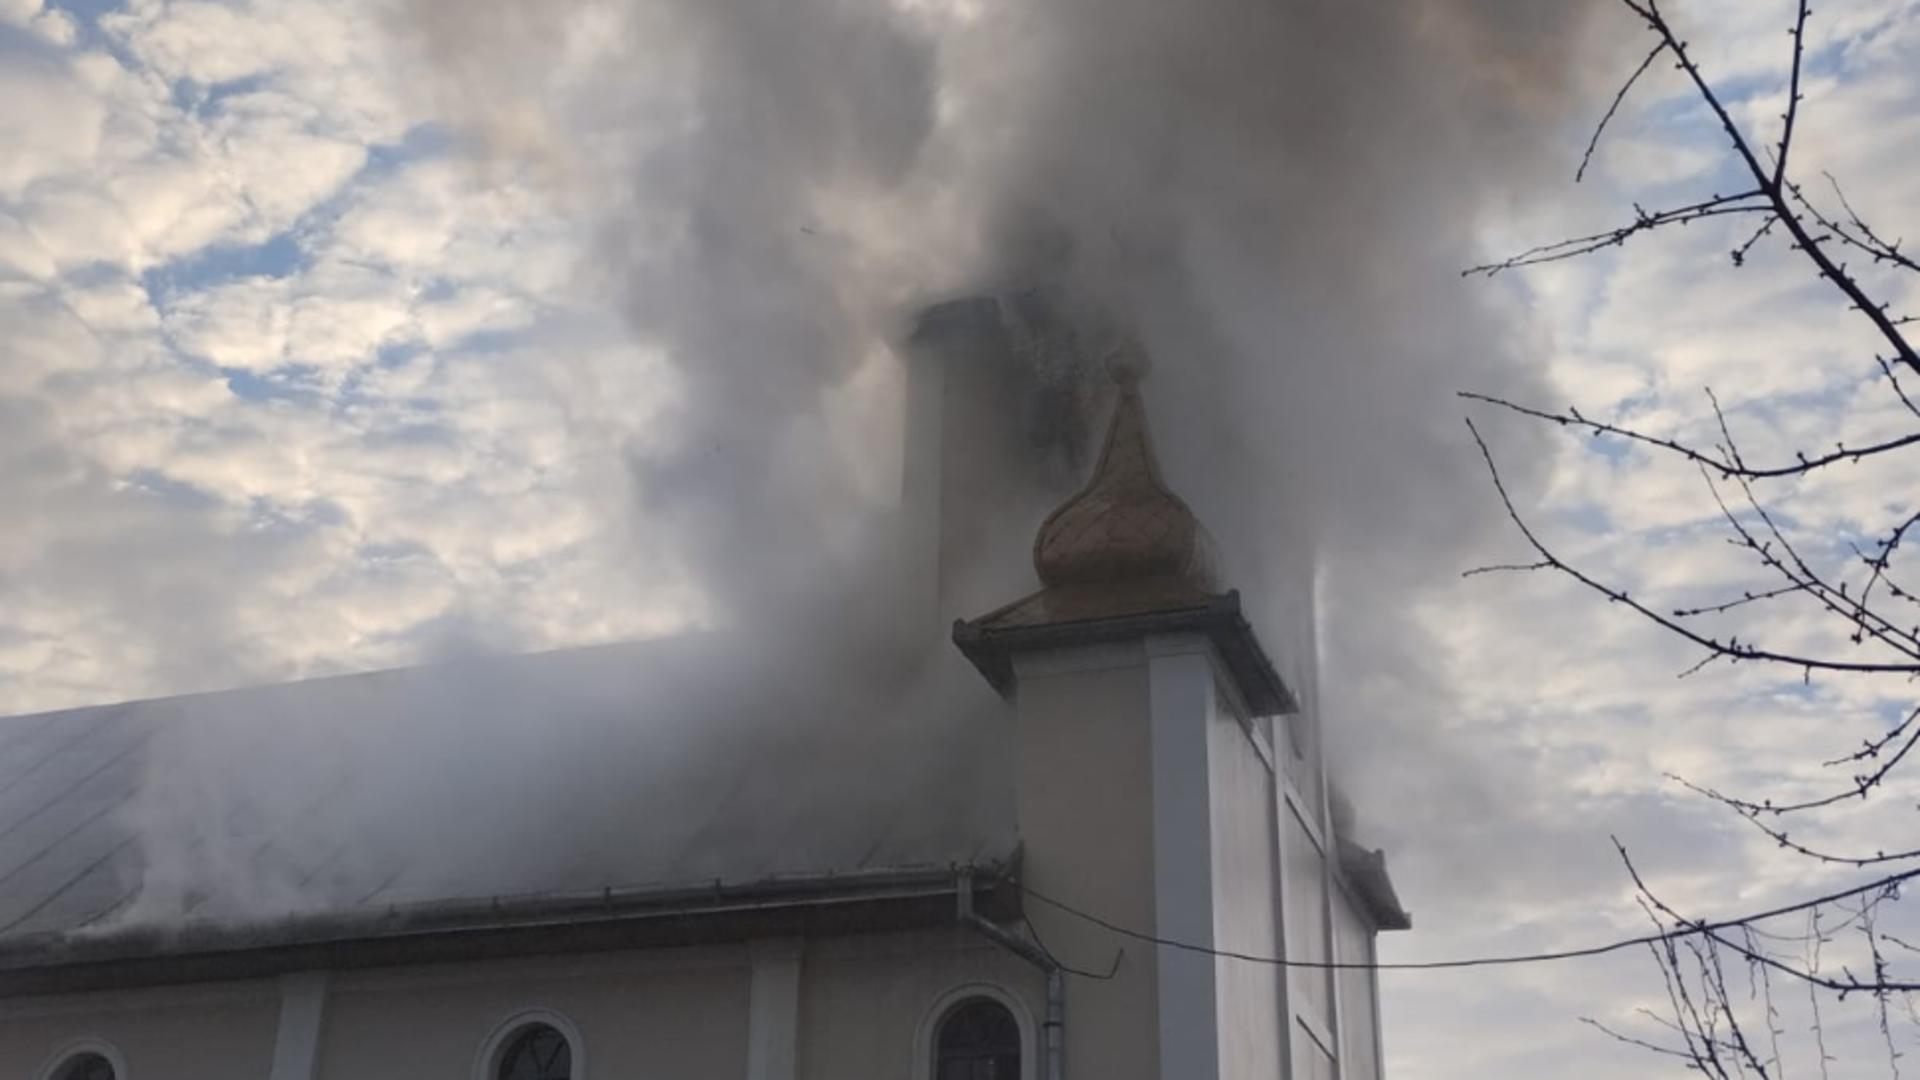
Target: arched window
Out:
[532,1044]
[535,1052]
[978,1039]
[85,1065]
[88,1058]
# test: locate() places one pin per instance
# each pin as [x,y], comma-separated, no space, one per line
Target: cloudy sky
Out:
[335,339]
[1570,713]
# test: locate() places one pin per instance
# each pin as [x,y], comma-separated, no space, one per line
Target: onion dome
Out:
[1123,559]
[1124,525]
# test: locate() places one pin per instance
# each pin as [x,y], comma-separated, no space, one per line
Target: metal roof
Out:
[65,858]
[608,768]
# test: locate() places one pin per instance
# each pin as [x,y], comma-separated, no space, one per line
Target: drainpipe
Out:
[1053,1033]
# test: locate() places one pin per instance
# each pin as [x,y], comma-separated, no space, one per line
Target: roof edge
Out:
[1366,870]
[500,927]
[1220,620]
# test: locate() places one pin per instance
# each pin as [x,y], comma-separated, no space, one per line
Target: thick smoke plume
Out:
[1272,198]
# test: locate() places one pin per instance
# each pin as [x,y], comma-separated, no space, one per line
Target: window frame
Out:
[486,1065]
[926,1040]
[86,1044]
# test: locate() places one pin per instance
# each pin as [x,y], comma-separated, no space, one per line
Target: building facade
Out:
[1162,870]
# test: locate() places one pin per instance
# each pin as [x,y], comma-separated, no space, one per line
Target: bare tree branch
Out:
[1727,466]
[1643,221]
[1794,96]
[1844,593]
[1732,649]
[1776,190]
[1593,143]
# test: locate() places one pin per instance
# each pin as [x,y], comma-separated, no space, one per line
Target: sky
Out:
[328,349]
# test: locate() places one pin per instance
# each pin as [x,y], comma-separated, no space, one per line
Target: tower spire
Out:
[1125,524]
[1124,557]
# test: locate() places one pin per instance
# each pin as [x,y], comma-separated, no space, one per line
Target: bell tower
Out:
[1152,791]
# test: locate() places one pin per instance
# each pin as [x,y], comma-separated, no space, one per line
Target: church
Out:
[1090,833]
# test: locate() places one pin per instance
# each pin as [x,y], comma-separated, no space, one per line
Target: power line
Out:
[1688,930]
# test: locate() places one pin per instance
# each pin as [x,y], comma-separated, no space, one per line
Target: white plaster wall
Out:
[1244,880]
[1284,611]
[1303,876]
[867,1003]
[672,1014]
[1310,1060]
[665,1013]
[1359,1002]
[1181,681]
[1084,787]
[222,1032]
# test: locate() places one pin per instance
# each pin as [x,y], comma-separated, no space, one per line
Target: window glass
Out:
[537,1053]
[87,1066]
[979,1040]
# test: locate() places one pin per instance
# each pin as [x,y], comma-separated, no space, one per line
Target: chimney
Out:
[996,403]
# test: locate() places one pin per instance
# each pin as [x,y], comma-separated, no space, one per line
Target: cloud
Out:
[268,348]
[53,125]
[1573,713]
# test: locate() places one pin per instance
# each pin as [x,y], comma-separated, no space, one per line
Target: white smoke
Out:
[1273,198]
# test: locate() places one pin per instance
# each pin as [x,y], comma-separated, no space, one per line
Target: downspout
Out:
[1053,1033]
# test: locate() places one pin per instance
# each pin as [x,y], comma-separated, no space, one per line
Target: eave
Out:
[992,641]
[1366,871]
[501,927]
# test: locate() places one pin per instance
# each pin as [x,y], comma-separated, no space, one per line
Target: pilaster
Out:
[1180,686]
[296,1042]
[773,1010]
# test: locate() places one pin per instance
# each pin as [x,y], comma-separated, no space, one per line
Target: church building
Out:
[1123,861]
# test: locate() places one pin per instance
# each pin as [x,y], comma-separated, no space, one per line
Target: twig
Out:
[1728,468]
[1593,143]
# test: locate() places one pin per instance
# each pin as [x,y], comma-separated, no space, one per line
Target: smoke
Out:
[1272,198]
[1278,198]
[719,149]
[640,764]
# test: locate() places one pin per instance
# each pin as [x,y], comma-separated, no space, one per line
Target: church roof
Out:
[634,770]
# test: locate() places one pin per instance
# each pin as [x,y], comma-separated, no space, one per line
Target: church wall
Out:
[867,1007]
[1286,615]
[223,1032]
[1084,782]
[672,1012]
[1287,627]
[1357,991]
[1304,884]
[868,1004]
[1245,919]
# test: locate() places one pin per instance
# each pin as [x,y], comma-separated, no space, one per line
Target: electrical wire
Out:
[1112,968]
[1690,929]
